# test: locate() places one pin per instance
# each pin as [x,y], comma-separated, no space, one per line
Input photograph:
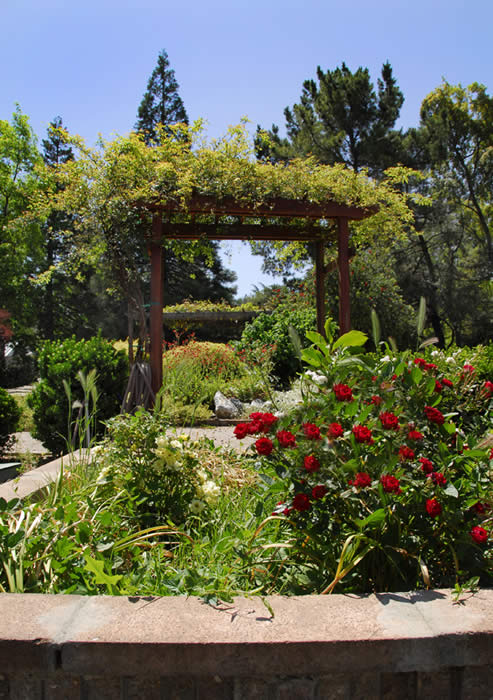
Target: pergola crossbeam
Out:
[245,232]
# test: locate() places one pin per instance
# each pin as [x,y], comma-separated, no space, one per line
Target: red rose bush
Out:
[380,494]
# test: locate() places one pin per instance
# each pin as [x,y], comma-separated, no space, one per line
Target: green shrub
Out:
[9,418]
[382,476]
[290,308]
[192,373]
[62,360]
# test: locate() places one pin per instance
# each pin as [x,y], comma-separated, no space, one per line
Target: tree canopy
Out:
[161,103]
[341,119]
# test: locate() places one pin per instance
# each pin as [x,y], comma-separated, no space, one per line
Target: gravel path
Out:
[222,435]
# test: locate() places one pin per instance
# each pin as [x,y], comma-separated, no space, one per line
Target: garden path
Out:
[222,435]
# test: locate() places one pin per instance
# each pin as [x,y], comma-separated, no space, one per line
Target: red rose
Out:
[405,453]
[433,508]
[414,435]
[447,383]
[362,434]
[434,415]
[426,465]
[264,420]
[312,431]
[361,480]
[479,508]
[301,502]
[421,362]
[479,534]
[264,446]
[343,392]
[254,427]
[285,438]
[469,368]
[438,478]
[491,454]
[318,492]
[311,464]
[241,431]
[390,483]
[256,416]
[376,400]
[335,430]
[438,387]
[389,420]
[488,388]
[430,365]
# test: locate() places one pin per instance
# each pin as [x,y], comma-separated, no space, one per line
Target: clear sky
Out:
[89,60]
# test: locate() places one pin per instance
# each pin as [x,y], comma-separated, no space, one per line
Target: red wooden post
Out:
[343,266]
[319,286]
[156,311]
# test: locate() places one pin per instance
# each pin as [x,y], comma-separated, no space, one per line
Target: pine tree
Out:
[55,152]
[341,119]
[161,103]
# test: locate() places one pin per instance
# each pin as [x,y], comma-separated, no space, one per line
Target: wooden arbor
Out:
[278,220]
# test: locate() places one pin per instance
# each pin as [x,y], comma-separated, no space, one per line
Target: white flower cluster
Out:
[208,493]
[316,378]
[168,453]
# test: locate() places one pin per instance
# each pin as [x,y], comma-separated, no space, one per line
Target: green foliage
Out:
[160,473]
[96,530]
[10,414]
[61,361]
[161,103]
[290,309]
[19,233]
[341,120]
[374,287]
[157,514]
[193,372]
[382,480]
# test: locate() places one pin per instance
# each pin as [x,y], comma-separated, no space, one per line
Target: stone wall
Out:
[394,645]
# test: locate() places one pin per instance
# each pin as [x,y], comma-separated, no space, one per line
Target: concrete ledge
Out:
[35,480]
[312,635]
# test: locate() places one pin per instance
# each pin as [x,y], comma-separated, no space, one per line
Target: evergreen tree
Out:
[341,120]
[161,103]
[55,152]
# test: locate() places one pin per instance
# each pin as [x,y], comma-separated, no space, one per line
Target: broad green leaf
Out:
[351,339]
[318,340]
[416,375]
[96,567]
[373,519]
[312,357]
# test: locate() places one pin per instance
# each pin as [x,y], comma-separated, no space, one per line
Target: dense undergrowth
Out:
[379,478]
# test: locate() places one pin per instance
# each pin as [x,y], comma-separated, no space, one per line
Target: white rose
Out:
[197,506]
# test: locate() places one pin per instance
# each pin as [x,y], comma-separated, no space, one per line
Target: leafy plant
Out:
[291,309]
[61,361]
[9,418]
[379,475]
[193,372]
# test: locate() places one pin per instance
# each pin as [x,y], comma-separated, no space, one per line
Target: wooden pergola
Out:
[278,220]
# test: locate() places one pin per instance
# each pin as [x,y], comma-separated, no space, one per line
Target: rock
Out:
[224,407]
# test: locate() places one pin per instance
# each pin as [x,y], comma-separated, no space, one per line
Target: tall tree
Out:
[341,119]
[55,152]
[161,103]
[450,260]
[20,239]
[459,124]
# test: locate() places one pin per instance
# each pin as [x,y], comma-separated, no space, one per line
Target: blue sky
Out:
[89,61]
